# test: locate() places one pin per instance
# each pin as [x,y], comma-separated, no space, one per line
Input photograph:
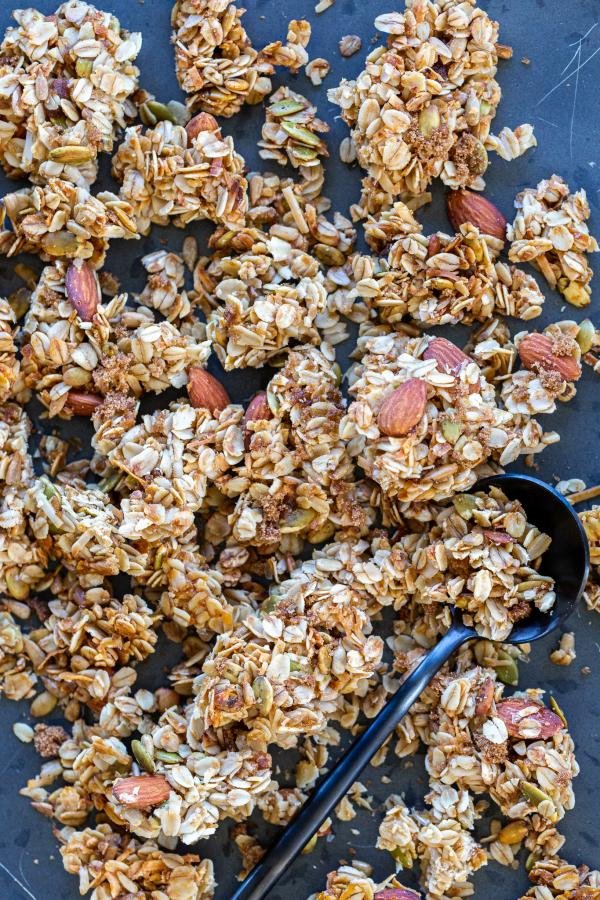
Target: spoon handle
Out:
[337,782]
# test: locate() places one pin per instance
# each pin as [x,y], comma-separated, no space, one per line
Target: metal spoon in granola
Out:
[567,564]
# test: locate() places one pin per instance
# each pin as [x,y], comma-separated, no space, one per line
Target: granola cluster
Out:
[174,174]
[515,749]
[217,66]
[423,105]
[424,419]
[67,85]
[550,231]
[441,279]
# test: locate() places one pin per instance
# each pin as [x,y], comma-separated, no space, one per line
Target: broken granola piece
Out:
[550,231]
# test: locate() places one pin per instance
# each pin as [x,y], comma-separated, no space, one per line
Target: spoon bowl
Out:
[566,561]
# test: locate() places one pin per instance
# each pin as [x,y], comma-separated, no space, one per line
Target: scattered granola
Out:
[268,538]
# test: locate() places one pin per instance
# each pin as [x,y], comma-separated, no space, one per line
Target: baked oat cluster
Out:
[422,107]
[67,85]
[305,547]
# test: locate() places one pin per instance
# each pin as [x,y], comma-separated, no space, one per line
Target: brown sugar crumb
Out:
[469,158]
[49,739]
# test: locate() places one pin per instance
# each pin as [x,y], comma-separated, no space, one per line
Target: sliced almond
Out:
[141,791]
[205,391]
[465,206]
[497,537]
[403,408]
[397,894]
[83,403]
[537,352]
[448,356]
[523,717]
[83,290]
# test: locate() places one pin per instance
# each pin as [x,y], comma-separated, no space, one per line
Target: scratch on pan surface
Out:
[16,881]
[576,58]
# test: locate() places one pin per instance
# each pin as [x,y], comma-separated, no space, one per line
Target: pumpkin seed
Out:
[71,154]
[297,520]
[513,833]
[286,108]
[143,756]
[506,668]
[585,336]
[464,504]
[263,691]
[166,757]
[302,134]
[556,708]
[451,431]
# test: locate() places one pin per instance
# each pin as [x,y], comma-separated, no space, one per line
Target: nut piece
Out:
[349,44]
[397,894]
[496,537]
[527,719]
[535,351]
[465,206]
[258,408]
[205,391]
[82,289]
[484,698]
[141,791]
[404,408]
[202,122]
[447,355]
[83,403]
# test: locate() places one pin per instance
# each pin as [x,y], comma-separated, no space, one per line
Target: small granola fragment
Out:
[550,231]
[104,859]
[555,877]
[565,652]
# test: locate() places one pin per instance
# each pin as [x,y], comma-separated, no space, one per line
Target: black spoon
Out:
[567,562]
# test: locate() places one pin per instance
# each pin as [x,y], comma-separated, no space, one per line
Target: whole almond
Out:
[141,791]
[448,356]
[536,351]
[202,122]
[205,391]
[83,403]
[403,408]
[83,290]
[465,206]
[521,724]
[258,408]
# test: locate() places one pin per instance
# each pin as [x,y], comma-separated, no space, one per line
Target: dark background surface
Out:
[549,33]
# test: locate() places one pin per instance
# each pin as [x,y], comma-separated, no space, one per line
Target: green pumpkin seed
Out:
[506,668]
[585,336]
[451,431]
[83,67]
[263,691]
[464,504]
[286,107]
[143,756]
[74,154]
[402,857]
[302,134]
[304,154]
[165,756]
[556,708]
